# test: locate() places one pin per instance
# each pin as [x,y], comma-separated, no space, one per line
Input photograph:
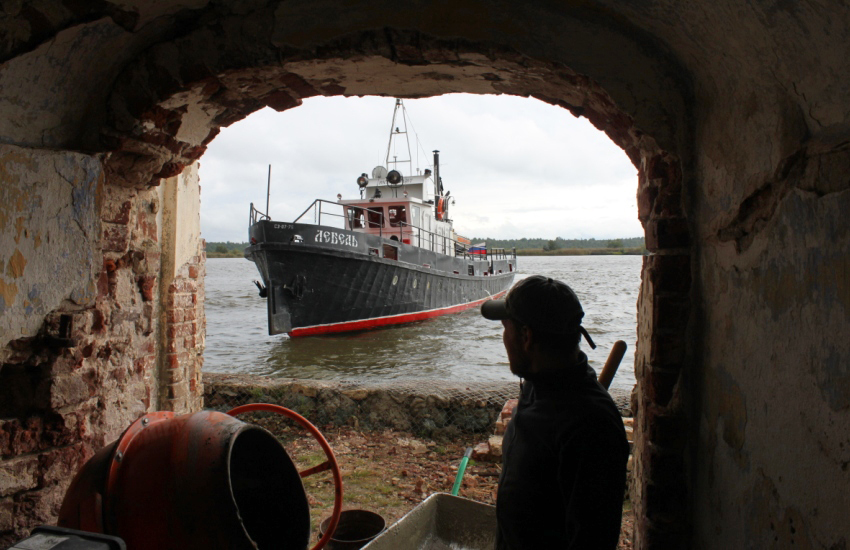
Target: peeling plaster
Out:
[728,407]
[17,264]
[772,526]
[49,224]
[833,377]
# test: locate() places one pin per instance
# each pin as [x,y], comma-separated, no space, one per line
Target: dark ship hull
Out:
[321,280]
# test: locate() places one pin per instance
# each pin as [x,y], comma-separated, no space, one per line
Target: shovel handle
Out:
[461,469]
[612,364]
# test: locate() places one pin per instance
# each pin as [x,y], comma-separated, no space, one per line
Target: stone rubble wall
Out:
[443,411]
[435,410]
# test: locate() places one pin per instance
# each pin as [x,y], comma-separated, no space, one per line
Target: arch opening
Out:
[147,299]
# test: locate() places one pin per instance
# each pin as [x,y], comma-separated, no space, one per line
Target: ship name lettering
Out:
[331,237]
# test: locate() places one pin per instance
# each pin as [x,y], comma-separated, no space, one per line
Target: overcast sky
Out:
[517,167]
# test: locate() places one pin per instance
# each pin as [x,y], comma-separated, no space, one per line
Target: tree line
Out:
[225,250]
[231,249]
[558,243]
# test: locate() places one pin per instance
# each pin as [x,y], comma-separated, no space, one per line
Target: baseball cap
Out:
[542,303]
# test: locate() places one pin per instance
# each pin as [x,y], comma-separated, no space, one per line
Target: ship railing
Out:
[318,212]
[488,253]
[443,244]
[434,242]
[256,216]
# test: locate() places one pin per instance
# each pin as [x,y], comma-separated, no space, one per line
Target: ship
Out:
[388,257]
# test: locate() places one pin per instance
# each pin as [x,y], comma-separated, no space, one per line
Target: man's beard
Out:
[521,368]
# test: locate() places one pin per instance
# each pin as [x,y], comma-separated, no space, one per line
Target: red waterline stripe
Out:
[366,324]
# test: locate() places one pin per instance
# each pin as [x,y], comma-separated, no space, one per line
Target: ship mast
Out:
[395,133]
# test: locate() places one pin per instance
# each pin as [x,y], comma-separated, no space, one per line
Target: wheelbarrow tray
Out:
[441,521]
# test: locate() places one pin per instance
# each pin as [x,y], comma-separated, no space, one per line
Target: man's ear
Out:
[526,336]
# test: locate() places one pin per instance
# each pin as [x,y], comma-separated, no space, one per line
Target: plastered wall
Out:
[49,208]
[772,400]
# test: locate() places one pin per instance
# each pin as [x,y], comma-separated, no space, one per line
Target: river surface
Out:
[460,348]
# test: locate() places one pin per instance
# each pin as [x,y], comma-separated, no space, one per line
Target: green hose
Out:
[460,471]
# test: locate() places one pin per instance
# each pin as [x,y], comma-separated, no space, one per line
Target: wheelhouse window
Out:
[356,217]
[376,217]
[397,214]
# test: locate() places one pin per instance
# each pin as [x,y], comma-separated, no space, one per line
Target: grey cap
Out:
[542,303]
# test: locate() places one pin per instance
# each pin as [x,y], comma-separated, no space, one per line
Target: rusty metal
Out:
[331,464]
[203,480]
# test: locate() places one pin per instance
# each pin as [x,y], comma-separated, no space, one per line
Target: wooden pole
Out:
[612,364]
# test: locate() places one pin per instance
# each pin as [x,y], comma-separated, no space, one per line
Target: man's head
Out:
[542,317]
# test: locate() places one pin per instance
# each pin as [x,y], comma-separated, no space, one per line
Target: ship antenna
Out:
[268,190]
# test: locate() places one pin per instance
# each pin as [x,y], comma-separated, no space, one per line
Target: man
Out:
[565,450]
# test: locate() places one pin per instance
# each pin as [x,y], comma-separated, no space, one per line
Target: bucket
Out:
[202,480]
[356,528]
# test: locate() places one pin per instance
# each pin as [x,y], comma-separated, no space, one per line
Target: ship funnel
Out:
[438,182]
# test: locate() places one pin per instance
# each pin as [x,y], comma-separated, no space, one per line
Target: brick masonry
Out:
[185,329]
[658,482]
[86,375]
[91,371]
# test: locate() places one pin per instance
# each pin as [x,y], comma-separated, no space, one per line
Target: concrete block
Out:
[495,443]
[18,474]
[7,514]
[481,452]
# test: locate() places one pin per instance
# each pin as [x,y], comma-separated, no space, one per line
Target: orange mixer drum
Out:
[203,480]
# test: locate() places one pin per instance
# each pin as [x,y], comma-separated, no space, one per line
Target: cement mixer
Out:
[204,480]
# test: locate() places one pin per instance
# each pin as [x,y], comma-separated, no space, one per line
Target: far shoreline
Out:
[638,251]
[522,252]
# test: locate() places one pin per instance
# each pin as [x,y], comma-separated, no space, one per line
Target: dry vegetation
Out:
[391,472]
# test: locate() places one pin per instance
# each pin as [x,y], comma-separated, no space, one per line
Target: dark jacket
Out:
[563,466]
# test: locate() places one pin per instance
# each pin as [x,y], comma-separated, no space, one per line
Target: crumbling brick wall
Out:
[185,333]
[96,364]
[87,373]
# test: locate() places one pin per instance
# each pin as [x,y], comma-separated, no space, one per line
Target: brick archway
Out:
[136,333]
[164,115]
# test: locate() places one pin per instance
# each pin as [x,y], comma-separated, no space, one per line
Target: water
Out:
[464,347]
